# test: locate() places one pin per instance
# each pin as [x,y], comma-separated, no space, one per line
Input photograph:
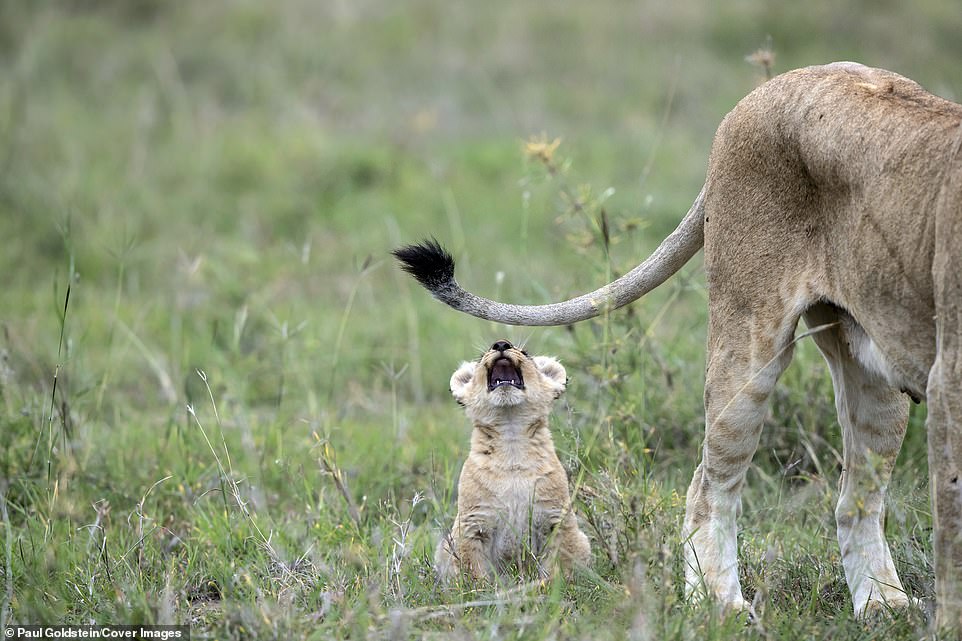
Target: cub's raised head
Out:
[507,377]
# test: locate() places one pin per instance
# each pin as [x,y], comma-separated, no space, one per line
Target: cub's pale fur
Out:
[833,195]
[513,502]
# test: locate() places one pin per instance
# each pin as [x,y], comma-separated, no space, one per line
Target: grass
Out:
[222,405]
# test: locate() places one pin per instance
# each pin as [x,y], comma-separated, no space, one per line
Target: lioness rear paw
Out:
[741,607]
[736,607]
[880,608]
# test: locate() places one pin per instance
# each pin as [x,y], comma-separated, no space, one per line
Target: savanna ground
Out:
[223,405]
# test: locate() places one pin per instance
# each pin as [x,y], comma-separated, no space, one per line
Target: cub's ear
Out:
[461,379]
[554,372]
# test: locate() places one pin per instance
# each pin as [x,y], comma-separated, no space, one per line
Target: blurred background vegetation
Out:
[218,184]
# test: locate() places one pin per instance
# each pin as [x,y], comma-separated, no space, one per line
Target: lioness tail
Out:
[433,267]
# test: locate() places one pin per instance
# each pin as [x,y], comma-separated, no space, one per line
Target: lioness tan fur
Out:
[513,502]
[833,194]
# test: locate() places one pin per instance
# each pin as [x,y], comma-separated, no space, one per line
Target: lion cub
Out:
[513,502]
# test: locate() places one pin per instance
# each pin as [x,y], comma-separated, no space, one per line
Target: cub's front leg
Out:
[566,545]
[462,551]
[573,544]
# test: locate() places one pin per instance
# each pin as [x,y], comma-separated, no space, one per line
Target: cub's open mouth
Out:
[503,372]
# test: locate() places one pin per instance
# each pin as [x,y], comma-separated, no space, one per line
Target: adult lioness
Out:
[833,193]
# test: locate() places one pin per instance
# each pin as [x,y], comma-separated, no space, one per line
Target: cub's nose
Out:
[501,346]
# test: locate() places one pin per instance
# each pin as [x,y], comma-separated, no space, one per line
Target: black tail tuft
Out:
[428,262]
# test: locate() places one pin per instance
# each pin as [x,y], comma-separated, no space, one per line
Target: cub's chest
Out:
[511,509]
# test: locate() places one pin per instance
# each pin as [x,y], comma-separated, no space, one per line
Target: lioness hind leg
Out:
[944,420]
[746,357]
[944,426]
[873,417]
